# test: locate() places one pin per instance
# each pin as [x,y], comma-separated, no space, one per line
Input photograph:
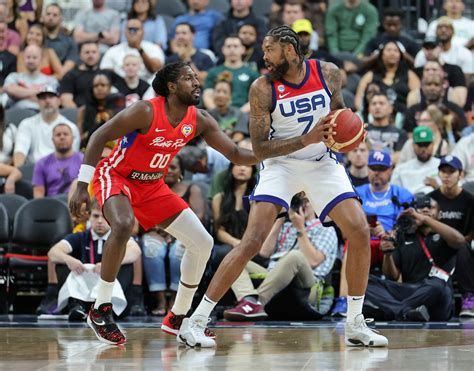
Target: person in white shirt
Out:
[464,150]
[151,54]
[22,87]
[34,136]
[463,27]
[451,53]
[419,175]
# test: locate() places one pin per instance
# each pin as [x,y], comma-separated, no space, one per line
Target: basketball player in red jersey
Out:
[289,127]
[130,182]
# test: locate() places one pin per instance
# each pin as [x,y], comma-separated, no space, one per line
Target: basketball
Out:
[349,131]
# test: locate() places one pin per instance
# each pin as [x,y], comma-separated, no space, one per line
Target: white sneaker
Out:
[192,333]
[358,334]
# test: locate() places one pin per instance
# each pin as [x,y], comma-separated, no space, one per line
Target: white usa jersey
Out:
[296,109]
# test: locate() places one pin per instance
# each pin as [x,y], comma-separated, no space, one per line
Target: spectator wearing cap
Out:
[240,13]
[382,201]
[463,27]
[419,175]
[433,118]
[54,173]
[22,87]
[421,256]
[454,54]
[305,30]
[457,210]
[392,25]
[34,136]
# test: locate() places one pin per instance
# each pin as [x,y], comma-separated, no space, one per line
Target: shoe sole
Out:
[172,332]
[169,330]
[181,340]
[359,343]
[101,339]
[466,314]
[238,317]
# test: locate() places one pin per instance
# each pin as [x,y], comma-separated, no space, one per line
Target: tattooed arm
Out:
[260,97]
[332,76]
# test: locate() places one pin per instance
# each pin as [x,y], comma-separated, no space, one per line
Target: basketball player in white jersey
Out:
[289,127]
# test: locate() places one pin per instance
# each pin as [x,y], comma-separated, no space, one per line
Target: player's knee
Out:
[251,246]
[122,226]
[205,243]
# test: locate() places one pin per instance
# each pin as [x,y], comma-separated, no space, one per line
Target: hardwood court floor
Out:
[274,346]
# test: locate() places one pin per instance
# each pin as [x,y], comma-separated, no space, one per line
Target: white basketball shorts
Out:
[325,183]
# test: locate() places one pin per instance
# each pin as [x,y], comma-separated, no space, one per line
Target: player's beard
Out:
[279,71]
[189,99]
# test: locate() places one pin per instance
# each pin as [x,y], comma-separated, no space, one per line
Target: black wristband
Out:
[388,251]
[100,35]
[141,51]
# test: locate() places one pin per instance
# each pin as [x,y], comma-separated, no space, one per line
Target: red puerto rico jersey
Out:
[145,158]
[297,108]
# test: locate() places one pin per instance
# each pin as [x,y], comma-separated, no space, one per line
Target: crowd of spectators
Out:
[66,67]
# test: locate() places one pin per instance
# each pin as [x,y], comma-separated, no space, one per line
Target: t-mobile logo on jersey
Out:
[162,142]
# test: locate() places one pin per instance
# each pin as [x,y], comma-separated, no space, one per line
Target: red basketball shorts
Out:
[152,202]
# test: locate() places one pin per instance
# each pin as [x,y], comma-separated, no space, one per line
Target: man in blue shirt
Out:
[382,201]
[204,20]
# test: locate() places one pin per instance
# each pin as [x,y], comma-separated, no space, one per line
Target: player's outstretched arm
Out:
[217,139]
[138,117]
[260,97]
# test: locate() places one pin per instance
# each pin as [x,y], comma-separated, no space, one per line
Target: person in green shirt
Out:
[242,76]
[350,24]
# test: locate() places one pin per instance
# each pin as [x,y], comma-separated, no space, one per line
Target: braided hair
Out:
[169,73]
[285,35]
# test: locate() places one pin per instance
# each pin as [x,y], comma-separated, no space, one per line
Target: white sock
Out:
[205,308]
[104,293]
[184,299]
[354,307]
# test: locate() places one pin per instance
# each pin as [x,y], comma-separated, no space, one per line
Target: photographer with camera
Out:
[422,251]
[301,250]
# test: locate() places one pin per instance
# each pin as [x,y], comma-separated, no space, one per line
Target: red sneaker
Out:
[172,323]
[101,320]
[246,311]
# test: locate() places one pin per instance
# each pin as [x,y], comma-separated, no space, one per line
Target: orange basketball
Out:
[349,131]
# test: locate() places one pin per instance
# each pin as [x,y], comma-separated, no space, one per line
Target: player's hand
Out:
[75,265]
[78,199]
[322,131]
